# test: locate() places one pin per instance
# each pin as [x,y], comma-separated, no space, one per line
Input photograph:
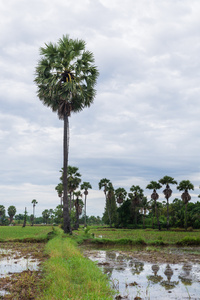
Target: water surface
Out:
[134,278]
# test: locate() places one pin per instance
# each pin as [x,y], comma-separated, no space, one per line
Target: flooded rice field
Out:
[151,274]
[18,261]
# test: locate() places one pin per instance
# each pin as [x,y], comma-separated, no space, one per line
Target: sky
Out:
[144,122]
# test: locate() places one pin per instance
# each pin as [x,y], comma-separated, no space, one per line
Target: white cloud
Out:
[144,122]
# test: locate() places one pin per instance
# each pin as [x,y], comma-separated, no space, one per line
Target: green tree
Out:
[2,214]
[103,183]
[25,218]
[120,195]
[59,189]
[154,185]
[78,206]
[166,180]
[185,185]
[145,207]
[11,212]
[85,186]
[34,202]
[58,214]
[46,215]
[135,196]
[110,213]
[66,77]
[73,181]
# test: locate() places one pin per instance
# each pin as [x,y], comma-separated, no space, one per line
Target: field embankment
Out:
[65,274]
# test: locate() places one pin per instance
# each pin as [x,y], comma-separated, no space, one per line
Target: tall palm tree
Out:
[34,202]
[166,180]
[154,185]
[66,77]
[120,195]
[85,186]
[185,185]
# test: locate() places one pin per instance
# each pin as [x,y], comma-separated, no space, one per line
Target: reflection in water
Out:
[155,278]
[168,284]
[168,272]
[137,268]
[185,275]
[133,278]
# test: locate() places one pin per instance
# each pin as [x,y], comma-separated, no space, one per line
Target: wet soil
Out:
[20,274]
[168,255]
[153,254]
[150,272]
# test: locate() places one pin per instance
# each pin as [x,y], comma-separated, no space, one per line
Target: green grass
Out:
[140,236]
[69,275]
[24,234]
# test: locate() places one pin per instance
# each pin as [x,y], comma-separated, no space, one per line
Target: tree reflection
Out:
[137,268]
[155,278]
[168,284]
[185,276]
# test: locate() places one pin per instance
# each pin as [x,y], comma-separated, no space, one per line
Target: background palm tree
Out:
[111,207]
[145,207]
[135,197]
[85,186]
[66,77]
[73,182]
[34,202]
[11,212]
[166,180]
[185,185]
[103,183]
[59,189]
[154,185]
[78,208]
[120,195]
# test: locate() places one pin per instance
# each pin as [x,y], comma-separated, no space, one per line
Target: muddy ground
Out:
[170,255]
[26,284]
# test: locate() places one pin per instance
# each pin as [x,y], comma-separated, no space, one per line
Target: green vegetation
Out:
[68,275]
[113,236]
[28,233]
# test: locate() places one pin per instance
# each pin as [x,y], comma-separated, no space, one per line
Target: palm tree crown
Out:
[66,76]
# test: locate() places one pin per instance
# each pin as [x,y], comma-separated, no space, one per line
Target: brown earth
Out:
[24,285]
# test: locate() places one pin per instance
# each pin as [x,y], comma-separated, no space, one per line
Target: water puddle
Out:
[134,278]
[15,261]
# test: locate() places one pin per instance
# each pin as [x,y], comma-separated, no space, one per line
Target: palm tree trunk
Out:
[186,216]
[66,216]
[108,209]
[76,226]
[158,222]
[144,216]
[167,214]
[85,212]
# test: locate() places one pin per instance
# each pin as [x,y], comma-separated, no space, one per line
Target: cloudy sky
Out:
[144,122]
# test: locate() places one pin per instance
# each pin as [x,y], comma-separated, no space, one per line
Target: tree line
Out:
[134,210]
